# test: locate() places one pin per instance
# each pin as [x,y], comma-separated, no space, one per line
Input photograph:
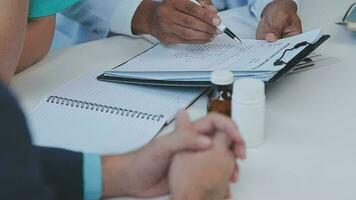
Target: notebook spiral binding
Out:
[103,108]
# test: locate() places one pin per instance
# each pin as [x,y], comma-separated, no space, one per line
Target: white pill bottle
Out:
[248,110]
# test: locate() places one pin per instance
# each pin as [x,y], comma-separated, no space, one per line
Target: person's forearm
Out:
[141,21]
[37,43]
[195,195]
[13,21]
[115,175]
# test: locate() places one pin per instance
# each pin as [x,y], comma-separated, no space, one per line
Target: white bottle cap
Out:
[222,77]
[249,90]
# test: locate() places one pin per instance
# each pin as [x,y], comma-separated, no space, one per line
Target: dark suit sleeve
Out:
[63,170]
[28,172]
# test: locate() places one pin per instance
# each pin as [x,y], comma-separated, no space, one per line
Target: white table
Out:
[310,148]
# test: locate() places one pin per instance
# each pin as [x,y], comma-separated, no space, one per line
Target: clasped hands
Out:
[196,161]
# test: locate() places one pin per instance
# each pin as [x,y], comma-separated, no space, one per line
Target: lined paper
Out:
[93,131]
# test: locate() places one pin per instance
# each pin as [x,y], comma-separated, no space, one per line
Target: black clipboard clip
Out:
[310,47]
[280,61]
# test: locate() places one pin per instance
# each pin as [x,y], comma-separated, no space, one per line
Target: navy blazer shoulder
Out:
[29,172]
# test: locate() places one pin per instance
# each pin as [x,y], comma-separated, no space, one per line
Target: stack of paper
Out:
[189,63]
[313,61]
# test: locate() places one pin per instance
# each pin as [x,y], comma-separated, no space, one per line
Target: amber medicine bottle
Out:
[220,97]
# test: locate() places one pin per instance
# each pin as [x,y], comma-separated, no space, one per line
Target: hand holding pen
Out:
[177,21]
[222,27]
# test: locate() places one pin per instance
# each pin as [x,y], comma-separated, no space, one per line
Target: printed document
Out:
[249,57]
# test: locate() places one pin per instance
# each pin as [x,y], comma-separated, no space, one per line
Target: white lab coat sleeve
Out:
[122,16]
[257,6]
[94,15]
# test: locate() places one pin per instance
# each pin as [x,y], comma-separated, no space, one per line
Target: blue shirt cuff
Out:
[92,177]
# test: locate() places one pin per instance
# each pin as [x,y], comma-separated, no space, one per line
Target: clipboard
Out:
[152,82]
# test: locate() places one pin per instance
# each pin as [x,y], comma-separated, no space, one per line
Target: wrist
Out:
[143,17]
[115,174]
[191,196]
[195,193]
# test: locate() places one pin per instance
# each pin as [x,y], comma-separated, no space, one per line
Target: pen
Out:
[223,28]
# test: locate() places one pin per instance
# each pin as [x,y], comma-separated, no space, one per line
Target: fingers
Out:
[262,29]
[277,30]
[196,23]
[188,34]
[279,20]
[207,4]
[190,22]
[193,142]
[221,145]
[294,29]
[171,38]
[183,121]
[192,30]
[218,123]
[291,33]
[276,27]
[184,139]
[182,21]
[271,37]
[199,12]
[223,141]
[178,142]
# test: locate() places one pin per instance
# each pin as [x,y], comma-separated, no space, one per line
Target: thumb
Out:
[272,37]
[274,32]
[182,121]
[187,141]
[276,28]
[192,141]
[184,138]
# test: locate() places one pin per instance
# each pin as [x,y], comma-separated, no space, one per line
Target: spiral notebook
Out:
[100,117]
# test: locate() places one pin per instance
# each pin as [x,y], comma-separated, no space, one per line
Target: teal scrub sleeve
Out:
[44,8]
